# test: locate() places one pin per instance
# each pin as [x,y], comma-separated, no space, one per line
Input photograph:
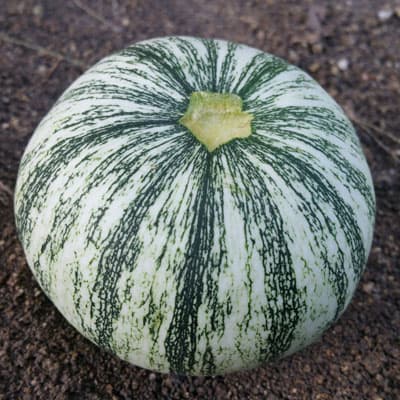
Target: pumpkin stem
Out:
[216,118]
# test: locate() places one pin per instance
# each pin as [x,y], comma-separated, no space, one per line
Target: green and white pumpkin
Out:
[196,206]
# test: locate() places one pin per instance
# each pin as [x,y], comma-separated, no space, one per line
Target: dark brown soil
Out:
[351,47]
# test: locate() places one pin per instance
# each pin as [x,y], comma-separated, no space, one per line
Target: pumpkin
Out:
[196,206]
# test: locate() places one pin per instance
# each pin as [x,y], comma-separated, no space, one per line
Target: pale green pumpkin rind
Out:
[197,68]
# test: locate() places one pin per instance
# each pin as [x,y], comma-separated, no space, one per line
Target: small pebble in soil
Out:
[343,64]
[385,14]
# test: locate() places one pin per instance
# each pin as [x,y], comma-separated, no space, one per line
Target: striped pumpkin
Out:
[178,252]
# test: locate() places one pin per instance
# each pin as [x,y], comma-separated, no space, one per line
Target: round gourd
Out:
[196,206]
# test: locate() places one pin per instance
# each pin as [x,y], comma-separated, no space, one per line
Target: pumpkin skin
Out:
[180,259]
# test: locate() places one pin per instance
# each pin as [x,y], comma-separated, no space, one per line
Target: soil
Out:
[351,47]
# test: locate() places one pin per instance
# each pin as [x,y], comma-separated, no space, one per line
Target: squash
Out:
[196,206]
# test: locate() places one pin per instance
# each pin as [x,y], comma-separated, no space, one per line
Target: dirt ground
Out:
[351,47]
